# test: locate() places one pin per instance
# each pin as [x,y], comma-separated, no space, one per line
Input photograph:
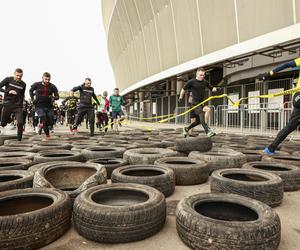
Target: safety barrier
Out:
[263,118]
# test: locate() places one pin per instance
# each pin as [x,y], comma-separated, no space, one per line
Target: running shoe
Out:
[211,134]
[185,132]
[268,152]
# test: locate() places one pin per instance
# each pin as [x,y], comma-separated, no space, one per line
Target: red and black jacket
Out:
[43,94]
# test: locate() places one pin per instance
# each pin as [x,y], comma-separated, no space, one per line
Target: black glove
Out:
[179,100]
[263,76]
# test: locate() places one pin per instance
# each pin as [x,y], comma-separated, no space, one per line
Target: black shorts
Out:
[195,112]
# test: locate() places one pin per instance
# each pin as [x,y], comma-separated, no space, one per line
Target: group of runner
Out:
[43,95]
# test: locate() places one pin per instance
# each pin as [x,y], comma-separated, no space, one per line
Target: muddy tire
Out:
[102,152]
[285,159]
[15,179]
[42,146]
[14,164]
[251,155]
[255,184]
[119,213]
[227,221]
[201,144]
[70,177]
[57,155]
[160,178]
[187,171]
[16,155]
[290,174]
[110,164]
[147,155]
[220,158]
[32,218]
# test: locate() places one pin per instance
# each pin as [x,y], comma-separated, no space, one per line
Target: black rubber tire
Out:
[36,226]
[110,164]
[149,144]
[17,155]
[187,171]
[290,174]
[255,184]
[220,158]
[37,166]
[70,177]
[10,148]
[206,229]
[101,152]
[199,143]
[14,164]
[161,178]
[123,223]
[15,179]
[57,155]
[147,155]
[3,138]
[42,146]
[285,159]
[252,155]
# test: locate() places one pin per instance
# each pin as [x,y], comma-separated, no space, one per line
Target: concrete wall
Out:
[148,36]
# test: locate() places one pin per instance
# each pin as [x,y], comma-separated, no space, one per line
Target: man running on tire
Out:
[294,121]
[71,105]
[86,105]
[197,87]
[43,95]
[13,100]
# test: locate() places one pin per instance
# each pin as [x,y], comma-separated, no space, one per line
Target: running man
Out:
[116,101]
[13,100]
[294,121]
[206,111]
[197,87]
[71,106]
[85,105]
[43,95]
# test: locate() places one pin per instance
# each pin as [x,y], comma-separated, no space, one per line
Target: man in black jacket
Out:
[86,105]
[43,95]
[13,100]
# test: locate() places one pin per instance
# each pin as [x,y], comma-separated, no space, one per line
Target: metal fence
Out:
[267,117]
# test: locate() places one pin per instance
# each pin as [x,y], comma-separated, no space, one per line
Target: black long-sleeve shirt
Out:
[11,84]
[43,94]
[198,89]
[86,95]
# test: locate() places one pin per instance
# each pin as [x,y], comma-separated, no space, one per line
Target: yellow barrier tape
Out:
[235,104]
[150,118]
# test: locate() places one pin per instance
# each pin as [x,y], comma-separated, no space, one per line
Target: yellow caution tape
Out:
[150,118]
[235,104]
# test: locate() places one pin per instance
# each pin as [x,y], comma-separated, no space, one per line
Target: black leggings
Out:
[199,116]
[7,111]
[90,117]
[71,116]
[293,123]
[103,120]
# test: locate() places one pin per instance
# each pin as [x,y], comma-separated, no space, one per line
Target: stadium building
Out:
[156,45]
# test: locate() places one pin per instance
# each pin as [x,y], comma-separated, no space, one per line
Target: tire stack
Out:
[69,175]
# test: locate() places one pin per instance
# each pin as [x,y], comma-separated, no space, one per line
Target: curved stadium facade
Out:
[156,45]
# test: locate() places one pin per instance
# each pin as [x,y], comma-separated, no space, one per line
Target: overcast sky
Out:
[64,37]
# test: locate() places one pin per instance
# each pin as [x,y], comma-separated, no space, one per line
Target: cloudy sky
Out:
[63,37]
